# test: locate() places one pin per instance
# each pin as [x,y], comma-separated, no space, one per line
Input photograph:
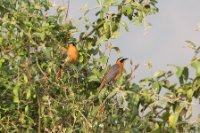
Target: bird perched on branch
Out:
[71,53]
[113,73]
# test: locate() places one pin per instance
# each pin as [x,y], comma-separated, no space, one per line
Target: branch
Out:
[90,125]
[67,10]
[91,32]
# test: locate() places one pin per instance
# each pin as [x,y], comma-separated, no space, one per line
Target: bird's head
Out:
[72,44]
[121,60]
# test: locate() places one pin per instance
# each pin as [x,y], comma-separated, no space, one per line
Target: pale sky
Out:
[164,43]
[176,22]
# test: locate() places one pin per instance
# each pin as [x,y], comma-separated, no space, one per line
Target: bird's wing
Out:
[111,73]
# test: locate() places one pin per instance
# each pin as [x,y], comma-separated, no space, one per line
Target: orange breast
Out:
[72,53]
[120,71]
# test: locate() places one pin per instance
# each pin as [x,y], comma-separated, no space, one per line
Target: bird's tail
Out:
[101,87]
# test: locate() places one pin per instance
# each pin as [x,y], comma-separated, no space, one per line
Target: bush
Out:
[34,98]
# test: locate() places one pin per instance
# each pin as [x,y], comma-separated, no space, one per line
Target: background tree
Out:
[34,100]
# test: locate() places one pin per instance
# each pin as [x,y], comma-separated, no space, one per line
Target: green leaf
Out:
[179,71]
[99,2]
[182,73]
[95,110]
[80,58]
[157,87]
[172,120]
[45,98]
[60,9]
[185,73]
[159,74]
[136,88]
[179,108]
[156,128]
[103,60]
[112,94]
[124,25]
[196,65]
[38,7]
[47,51]
[128,11]
[26,109]
[190,44]
[16,93]
[107,26]
[108,2]
[134,111]
[93,78]
[140,17]
[190,93]
[197,50]
[1,39]
[25,78]
[115,34]
[116,49]
[165,116]
[2,60]
[28,94]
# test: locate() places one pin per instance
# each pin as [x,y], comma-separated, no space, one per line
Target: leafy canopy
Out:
[34,99]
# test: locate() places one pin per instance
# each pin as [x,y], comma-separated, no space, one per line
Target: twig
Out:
[74,120]
[160,112]
[92,31]
[66,10]
[44,74]
[133,69]
[90,125]
[108,47]
[66,15]
[40,67]
[39,114]
[103,104]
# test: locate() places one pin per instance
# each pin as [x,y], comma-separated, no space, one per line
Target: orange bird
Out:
[71,53]
[113,73]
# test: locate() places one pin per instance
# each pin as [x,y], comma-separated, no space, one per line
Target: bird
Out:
[71,54]
[113,72]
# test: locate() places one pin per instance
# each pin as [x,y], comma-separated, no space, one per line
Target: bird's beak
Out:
[125,59]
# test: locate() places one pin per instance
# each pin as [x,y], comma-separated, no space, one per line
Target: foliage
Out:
[34,98]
